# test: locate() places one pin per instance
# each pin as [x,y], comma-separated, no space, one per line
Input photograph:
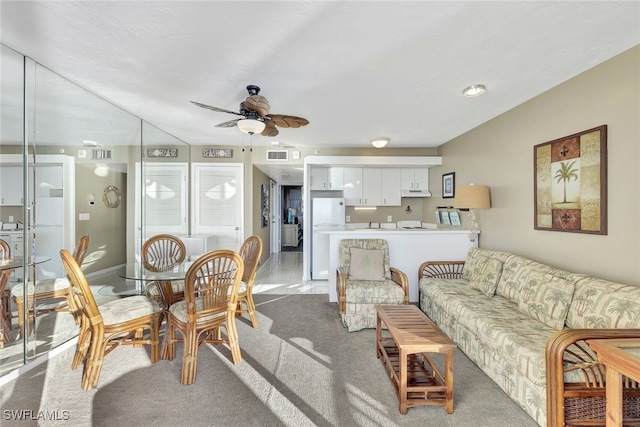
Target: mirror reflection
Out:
[85,168]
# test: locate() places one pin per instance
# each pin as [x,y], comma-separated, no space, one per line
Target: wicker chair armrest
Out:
[441,269]
[581,358]
[341,288]
[400,278]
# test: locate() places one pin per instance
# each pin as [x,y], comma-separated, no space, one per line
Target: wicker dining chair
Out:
[251,251]
[118,322]
[210,303]
[5,306]
[5,250]
[5,313]
[47,290]
[160,253]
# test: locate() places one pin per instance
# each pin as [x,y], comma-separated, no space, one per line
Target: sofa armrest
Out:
[400,278]
[567,351]
[441,269]
[341,288]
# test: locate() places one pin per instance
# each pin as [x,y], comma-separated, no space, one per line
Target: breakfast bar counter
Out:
[408,248]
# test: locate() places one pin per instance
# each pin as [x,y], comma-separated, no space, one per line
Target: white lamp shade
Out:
[472,197]
[250,126]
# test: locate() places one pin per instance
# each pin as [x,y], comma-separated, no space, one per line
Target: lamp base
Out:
[473,224]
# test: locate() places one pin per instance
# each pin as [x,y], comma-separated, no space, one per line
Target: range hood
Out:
[415,193]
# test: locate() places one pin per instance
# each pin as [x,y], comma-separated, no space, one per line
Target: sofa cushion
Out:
[546,298]
[496,323]
[486,288]
[483,267]
[517,269]
[374,292]
[599,303]
[366,264]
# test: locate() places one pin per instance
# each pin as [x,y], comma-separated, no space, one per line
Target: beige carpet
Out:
[300,368]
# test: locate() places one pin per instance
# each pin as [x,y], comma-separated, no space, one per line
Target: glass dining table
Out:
[142,276]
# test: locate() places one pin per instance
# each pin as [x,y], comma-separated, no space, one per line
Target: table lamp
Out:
[472,197]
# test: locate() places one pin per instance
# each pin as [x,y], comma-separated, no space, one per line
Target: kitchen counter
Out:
[380,231]
[408,248]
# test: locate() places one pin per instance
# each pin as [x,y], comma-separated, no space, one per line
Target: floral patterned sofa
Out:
[504,310]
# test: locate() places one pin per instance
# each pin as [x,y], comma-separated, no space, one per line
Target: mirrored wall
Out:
[71,164]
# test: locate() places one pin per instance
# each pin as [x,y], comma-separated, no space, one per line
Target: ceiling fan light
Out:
[250,126]
[379,142]
[474,90]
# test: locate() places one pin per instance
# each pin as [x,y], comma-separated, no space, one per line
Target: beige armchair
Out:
[365,279]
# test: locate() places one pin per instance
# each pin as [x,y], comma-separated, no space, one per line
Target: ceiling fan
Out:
[255,116]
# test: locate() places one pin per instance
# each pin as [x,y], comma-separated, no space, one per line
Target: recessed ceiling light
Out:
[379,142]
[474,90]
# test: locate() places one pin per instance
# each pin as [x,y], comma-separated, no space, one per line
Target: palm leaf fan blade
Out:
[258,104]
[285,121]
[270,129]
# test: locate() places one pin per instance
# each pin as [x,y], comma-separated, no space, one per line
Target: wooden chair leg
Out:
[251,308]
[169,342]
[5,330]
[98,360]
[155,337]
[232,337]
[19,301]
[84,341]
[190,357]
[91,363]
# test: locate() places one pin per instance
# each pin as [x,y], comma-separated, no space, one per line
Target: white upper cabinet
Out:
[336,178]
[352,186]
[11,185]
[371,187]
[415,179]
[390,188]
[318,178]
[323,178]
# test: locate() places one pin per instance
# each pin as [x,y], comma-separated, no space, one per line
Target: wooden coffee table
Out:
[403,349]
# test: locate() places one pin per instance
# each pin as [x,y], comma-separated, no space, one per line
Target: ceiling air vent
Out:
[101,154]
[278,155]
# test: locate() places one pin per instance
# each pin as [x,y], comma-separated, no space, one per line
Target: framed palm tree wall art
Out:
[570,183]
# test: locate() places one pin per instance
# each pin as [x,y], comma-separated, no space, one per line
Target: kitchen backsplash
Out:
[14,211]
[410,209]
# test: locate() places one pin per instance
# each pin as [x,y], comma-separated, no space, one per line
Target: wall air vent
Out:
[278,155]
[101,154]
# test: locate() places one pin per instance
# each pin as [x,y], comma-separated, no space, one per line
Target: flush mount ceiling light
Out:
[474,90]
[380,142]
[250,126]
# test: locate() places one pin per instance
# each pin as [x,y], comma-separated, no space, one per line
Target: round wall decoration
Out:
[111,196]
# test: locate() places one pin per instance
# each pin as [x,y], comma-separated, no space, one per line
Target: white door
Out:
[50,214]
[165,198]
[218,203]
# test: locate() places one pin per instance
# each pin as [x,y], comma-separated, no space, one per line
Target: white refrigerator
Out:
[326,214]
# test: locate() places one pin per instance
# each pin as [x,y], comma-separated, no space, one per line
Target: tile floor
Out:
[282,274]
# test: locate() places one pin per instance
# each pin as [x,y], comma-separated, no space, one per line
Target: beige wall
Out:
[499,153]
[259,179]
[107,247]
